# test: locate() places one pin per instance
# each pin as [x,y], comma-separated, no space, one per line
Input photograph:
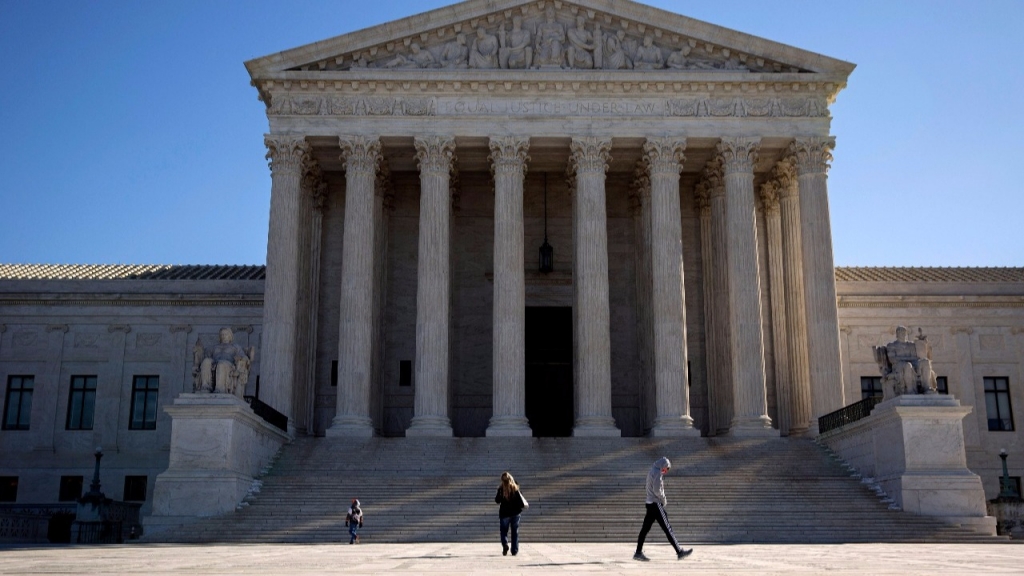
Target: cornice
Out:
[106,300]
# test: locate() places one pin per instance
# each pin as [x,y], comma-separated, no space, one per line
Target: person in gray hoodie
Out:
[656,502]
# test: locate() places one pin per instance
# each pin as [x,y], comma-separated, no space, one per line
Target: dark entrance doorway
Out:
[549,405]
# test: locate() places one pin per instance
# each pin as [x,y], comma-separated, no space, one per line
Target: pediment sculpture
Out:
[906,366]
[550,39]
[222,368]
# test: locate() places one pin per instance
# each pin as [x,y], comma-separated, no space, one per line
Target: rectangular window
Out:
[997,404]
[135,488]
[145,390]
[81,403]
[941,385]
[405,372]
[8,488]
[70,488]
[18,405]
[870,387]
[334,372]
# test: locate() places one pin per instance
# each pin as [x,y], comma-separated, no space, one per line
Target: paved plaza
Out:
[441,558]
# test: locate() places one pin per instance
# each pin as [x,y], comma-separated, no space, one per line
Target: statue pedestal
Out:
[913,447]
[218,445]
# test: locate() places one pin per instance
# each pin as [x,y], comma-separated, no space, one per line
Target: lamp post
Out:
[546,251]
[1004,489]
[94,488]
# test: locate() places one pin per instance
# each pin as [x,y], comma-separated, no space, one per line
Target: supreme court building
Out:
[515,218]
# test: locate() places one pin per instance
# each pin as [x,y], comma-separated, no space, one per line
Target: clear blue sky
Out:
[129,132]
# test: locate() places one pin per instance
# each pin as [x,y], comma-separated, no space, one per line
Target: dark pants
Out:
[656,513]
[512,521]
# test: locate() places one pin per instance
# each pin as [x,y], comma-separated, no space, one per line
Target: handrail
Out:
[265,411]
[847,415]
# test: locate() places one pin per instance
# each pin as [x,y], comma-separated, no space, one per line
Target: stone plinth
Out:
[913,447]
[217,446]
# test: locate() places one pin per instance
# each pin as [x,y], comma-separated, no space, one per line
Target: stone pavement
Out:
[568,559]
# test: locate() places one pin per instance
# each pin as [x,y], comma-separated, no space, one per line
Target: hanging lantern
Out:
[547,253]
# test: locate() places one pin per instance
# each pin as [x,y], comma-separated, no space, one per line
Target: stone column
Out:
[750,409]
[780,346]
[508,157]
[313,313]
[702,196]
[664,157]
[384,200]
[722,363]
[589,159]
[355,328]
[305,306]
[287,154]
[435,155]
[796,313]
[813,156]
[641,197]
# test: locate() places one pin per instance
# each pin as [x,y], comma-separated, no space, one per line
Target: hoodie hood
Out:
[662,462]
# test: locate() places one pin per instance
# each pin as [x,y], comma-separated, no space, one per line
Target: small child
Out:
[354,521]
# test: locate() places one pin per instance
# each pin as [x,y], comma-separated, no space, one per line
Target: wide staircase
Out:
[580,490]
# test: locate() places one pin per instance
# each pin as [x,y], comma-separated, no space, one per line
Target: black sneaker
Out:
[639,556]
[683,553]
[504,550]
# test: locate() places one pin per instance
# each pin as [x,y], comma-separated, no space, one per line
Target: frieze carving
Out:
[24,338]
[123,328]
[148,339]
[704,107]
[58,328]
[325,105]
[186,328]
[546,36]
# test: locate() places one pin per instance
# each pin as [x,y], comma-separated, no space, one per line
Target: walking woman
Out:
[511,504]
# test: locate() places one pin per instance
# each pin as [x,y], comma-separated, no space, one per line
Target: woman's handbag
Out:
[523,500]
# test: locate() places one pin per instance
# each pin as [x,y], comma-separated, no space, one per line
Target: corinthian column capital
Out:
[508,154]
[286,152]
[641,185]
[664,155]
[739,154]
[360,153]
[785,174]
[589,154]
[702,195]
[770,196]
[813,154]
[435,153]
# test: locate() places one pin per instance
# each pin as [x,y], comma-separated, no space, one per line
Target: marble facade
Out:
[679,169]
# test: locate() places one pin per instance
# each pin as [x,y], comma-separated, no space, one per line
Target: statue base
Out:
[913,447]
[218,446]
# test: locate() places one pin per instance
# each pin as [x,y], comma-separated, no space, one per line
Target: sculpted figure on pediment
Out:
[417,58]
[484,52]
[516,52]
[615,57]
[455,54]
[584,47]
[648,56]
[550,41]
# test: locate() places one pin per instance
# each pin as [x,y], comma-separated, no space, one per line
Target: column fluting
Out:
[287,155]
[436,155]
[508,158]
[796,312]
[664,158]
[777,297]
[750,409]
[813,156]
[355,329]
[712,373]
[722,365]
[589,159]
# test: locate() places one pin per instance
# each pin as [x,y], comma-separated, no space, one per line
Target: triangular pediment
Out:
[515,35]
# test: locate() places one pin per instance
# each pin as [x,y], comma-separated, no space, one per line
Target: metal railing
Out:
[847,415]
[265,411]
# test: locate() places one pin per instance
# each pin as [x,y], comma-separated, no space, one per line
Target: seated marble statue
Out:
[455,54]
[515,52]
[906,366]
[222,368]
[484,51]
[648,56]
